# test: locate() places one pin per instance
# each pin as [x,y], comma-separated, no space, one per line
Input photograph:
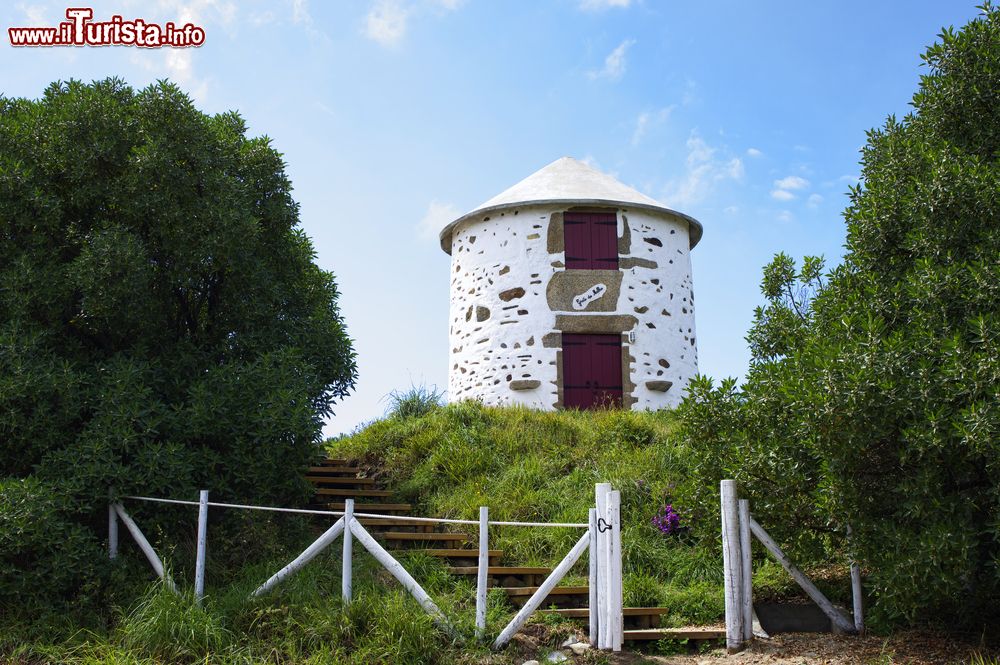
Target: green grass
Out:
[528,465]
[303,621]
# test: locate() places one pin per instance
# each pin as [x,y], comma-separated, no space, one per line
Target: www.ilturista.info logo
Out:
[81,30]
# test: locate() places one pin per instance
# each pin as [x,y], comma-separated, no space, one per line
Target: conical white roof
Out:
[569,181]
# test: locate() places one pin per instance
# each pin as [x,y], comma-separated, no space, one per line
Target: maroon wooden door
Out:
[591,240]
[592,370]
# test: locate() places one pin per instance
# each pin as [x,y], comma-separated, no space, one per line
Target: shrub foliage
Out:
[163,324]
[873,399]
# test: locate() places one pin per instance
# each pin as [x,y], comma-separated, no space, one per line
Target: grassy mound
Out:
[528,465]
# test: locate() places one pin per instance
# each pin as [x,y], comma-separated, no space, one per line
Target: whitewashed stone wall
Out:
[507,313]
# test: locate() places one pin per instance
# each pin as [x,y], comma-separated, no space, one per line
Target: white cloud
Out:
[786,216]
[754,152]
[386,22]
[703,172]
[35,15]
[783,188]
[734,169]
[178,64]
[175,64]
[300,12]
[437,216]
[791,182]
[265,17]
[648,120]
[731,210]
[199,12]
[614,64]
[599,5]
[814,200]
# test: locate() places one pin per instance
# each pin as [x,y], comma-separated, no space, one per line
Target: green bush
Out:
[42,546]
[163,325]
[872,398]
[415,402]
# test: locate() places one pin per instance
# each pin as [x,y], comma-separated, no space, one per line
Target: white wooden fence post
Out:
[144,545]
[836,616]
[542,592]
[199,562]
[746,570]
[482,574]
[859,610]
[347,567]
[732,568]
[112,532]
[307,555]
[601,492]
[616,619]
[593,605]
[396,570]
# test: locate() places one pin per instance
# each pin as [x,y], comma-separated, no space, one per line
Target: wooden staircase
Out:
[336,480]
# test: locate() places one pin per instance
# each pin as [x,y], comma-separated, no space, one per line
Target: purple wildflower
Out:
[667,520]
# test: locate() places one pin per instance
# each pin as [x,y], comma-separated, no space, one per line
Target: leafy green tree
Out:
[873,400]
[163,324]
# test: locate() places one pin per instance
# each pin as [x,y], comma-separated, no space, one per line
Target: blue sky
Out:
[397,115]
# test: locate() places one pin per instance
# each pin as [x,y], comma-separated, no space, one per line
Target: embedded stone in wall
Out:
[659,386]
[627,263]
[625,241]
[555,242]
[656,242]
[524,384]
[511,294]
[482,313]
[595,324]
[564,288]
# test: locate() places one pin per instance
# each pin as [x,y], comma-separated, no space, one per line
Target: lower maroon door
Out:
[592,370]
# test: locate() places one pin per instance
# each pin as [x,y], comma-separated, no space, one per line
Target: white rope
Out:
[336,513]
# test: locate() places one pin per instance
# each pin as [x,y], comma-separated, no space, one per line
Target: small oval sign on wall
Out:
[590,295]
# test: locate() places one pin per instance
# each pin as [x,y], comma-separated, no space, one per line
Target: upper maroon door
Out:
[591,240]
[592,370]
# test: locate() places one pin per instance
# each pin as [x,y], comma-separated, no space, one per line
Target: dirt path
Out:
[917,648]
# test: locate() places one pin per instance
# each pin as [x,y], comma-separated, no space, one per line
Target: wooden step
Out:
[372,507]
[426,537]
[566,596]
[339,480]
[693,633]
[527,591]
[499,570]
[352,493]
[333,461]
[462,557]
[334,469]
[583,612]
[635,618]
[398,521]
[460,552]
[506,576]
